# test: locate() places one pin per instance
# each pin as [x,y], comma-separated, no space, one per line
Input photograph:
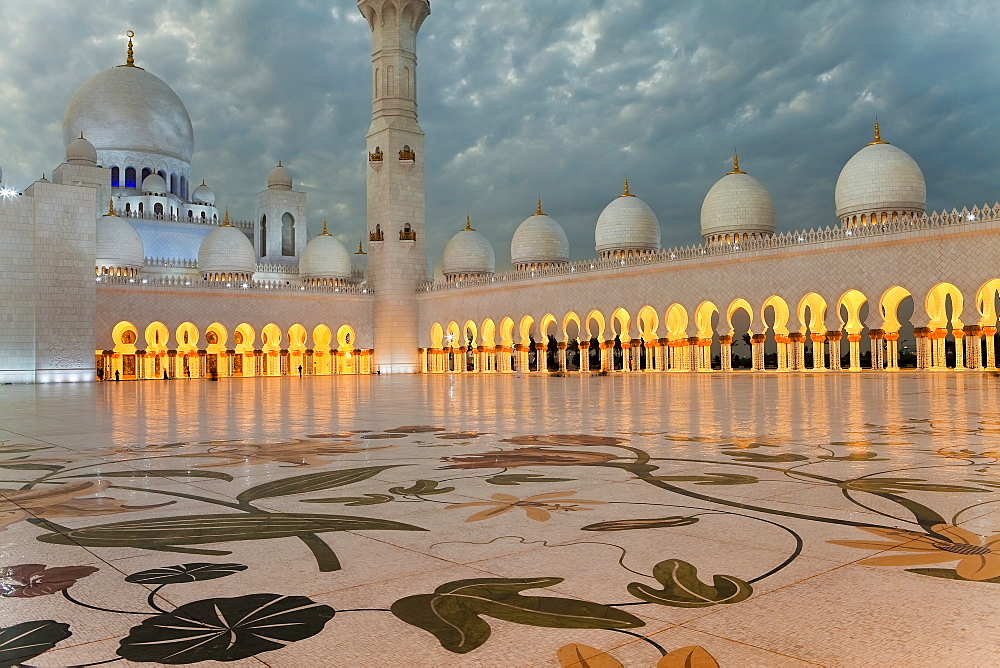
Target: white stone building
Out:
[117,268]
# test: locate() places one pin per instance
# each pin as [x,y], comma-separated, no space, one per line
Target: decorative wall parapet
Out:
[181,263]
[199,285]
[796,239]
[135,215]
[278,268]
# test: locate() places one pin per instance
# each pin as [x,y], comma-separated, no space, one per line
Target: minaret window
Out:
[287,234]
[163,175]
[115,177]
[146,171]
[130,177]
[158,210]
[140,208]
[263,235]
[173,184]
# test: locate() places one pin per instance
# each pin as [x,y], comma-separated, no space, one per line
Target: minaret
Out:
[397,256]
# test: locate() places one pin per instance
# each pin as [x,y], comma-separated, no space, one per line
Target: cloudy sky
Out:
[525,97]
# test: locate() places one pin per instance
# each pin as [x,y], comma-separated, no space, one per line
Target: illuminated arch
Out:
[853,300]
[739,304]
[270,337]
[527,322]
[157,336]
[125,335]
[187,337]
[597,317]
[507,332]
[297,336]
[816,305]
[568,319]
[322,338]
[780,308]
[346,338]
[986,302]
[219,334]
[889,303]
[472,329]
[452,335]
[648,323]
[623,320]
[437,336]
[244,338]
[936,301]
[489,332]
[703,319]
[676,320]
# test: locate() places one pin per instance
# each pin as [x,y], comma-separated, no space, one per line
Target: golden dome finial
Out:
[736,165]
[130,60]
[361,251]
[111,210]
[81,134]
[279,164]
[203,182]
[226,223]
[626,193]
[468,224]
[324,233]
[878,135]
[538,212]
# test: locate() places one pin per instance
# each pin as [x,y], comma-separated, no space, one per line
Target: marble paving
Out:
[647,520]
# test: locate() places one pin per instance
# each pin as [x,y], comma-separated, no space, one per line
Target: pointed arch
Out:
[852,300]
[157,336]
[597,317]
[780,309]
[322,337]
[571,318]
[489,332]
[124,335]
[270,338]
[525,329]
[297,336]
[648,323]
[470,333]
[986,302]
[346,338]
[889,303]
[187,337]
[703,319]
[543,329]
[739,304]
[936,305]
[676,319]
[621,324]
[453,335]
[244,338]
[816,305]
[507,332]
[216,337]
[437,336]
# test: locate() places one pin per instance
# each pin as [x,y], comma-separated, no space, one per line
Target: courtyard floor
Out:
[643,520]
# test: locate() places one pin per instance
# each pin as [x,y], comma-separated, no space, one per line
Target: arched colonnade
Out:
[855,331]
[216,351]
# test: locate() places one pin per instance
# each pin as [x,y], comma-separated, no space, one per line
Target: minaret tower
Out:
[397,256]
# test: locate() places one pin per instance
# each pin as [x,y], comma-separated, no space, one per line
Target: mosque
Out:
[116,267]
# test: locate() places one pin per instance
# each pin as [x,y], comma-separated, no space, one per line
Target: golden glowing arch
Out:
[187,336]
[739,304]
[936,301]
[597,317]
[703,319]
[507,332]
[853,300]
[568,319]
[676,320]
[346,338]
[648,323]
[816,305]
[889,303]
[780,308]
[437,336]
[524,329]
[623,320]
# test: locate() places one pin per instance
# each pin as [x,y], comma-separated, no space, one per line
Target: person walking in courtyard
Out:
[300,371]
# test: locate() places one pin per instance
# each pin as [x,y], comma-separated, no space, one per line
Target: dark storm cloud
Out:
[553,97]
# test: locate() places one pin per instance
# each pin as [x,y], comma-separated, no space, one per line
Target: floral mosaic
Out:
[312,489]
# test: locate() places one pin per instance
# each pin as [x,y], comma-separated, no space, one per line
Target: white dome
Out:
[226,250]
[627,223]
[324,257]
[737,203]
[81,152]
[118,245]
[279,178]
[539,239]
[155,184]
[880,177]
[203,194]
[128,109]
[468,252]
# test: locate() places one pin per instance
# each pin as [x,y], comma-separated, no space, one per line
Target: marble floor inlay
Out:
[648,520]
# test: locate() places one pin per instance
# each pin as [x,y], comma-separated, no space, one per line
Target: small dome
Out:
[880,178]
[154,184]
[118,246]
[737,204]
[279,178]
[627,223]
[226,253]
[203,195]
[324,259]
[81,152]
[539,240]
[468,253]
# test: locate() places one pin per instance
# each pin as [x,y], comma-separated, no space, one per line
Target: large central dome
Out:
[128,109]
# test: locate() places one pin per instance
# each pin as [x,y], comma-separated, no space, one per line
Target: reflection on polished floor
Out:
[497,520]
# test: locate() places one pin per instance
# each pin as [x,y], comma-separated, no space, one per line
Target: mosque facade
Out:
[117,268]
